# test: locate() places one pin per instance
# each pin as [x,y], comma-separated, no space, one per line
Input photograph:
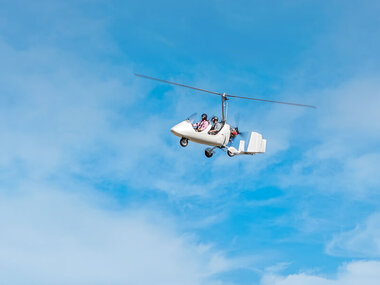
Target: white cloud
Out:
[354,273]
[346,131]
[61,120]
[61,115]
[52,237]
[362,241]
[58,121]
[58,116]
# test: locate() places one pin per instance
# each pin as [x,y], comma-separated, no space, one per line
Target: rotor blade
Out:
[178,84]
[217,93]
[270,101]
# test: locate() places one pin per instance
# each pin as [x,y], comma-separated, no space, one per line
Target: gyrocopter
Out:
[220,134]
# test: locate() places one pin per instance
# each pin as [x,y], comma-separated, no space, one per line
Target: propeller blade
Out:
[243,134]
[237,120]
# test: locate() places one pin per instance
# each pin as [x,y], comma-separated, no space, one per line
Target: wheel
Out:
[230,154]
[184,142]
[209,153]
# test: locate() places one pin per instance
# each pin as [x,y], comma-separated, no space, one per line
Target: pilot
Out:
[202,124]
[216,127]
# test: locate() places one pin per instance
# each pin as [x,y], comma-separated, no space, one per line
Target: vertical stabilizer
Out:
[264,146]
[241,146]
[256,143]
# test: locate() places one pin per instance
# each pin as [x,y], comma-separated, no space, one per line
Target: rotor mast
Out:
[224,107]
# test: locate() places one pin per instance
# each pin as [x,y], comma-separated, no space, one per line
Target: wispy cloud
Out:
[94,187]
[353,273]
[363,241]
[51,236]
[345,132]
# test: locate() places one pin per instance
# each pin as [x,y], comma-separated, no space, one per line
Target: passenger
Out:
[216,127]
[202,124]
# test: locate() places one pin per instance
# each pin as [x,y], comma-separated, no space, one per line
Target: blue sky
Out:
[94,189]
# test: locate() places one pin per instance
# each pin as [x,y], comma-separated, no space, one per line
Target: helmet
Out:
[214,118]
[204,116]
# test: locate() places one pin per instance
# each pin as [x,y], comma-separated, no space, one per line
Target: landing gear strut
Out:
[184,142]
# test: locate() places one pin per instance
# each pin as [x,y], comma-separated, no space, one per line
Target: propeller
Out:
[236,128]
[223,94]
[236,132]
[241,133]
[237,120]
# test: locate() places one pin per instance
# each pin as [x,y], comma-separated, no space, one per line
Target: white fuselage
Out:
[186,130]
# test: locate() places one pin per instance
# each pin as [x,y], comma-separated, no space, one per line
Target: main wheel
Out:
[230,154]
[209,153]
[184,142]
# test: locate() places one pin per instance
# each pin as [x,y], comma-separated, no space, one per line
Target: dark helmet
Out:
[214,118]
[204,116]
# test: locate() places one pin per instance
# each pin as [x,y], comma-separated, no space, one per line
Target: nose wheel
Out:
[183,142]
[209,152]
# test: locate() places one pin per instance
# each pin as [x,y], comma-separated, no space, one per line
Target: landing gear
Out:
[230,154]
[209,152]
[184,142]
